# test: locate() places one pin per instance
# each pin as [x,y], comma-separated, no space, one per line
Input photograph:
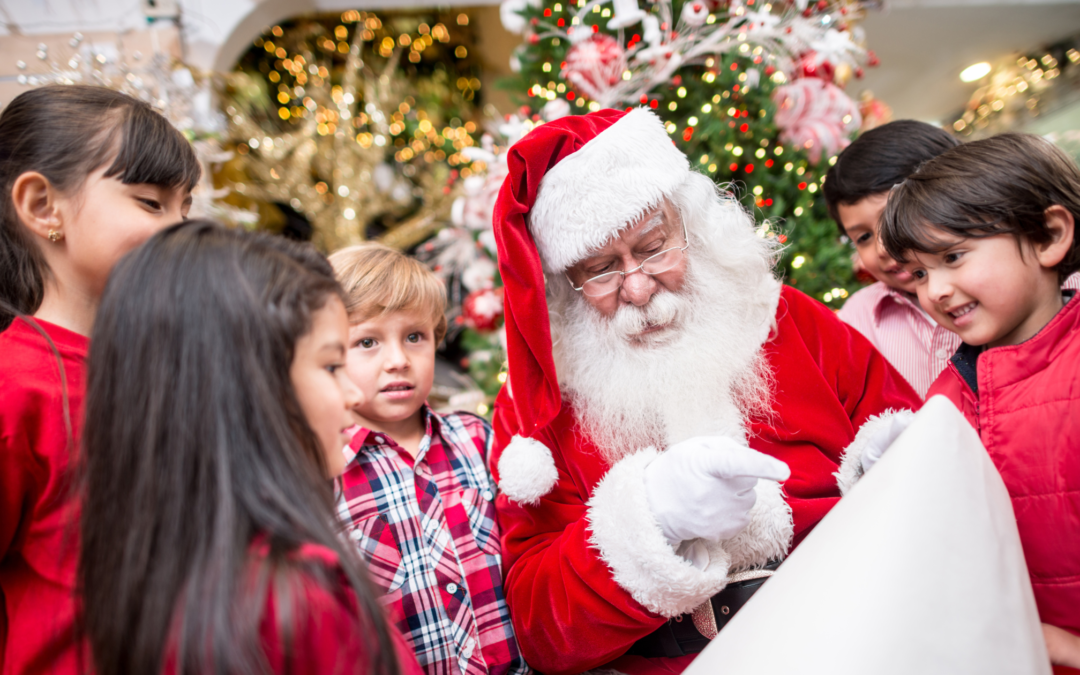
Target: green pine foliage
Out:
[720,114]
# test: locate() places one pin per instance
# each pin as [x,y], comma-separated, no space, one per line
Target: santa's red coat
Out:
[569,613]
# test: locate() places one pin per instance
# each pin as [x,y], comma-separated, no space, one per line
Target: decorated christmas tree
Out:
[750,92]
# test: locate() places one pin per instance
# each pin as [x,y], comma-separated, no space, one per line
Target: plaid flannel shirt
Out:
[427,529]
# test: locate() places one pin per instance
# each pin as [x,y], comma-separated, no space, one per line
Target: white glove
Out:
[884,437]
[704,487]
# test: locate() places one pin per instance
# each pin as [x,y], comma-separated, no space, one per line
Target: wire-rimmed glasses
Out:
[609,282]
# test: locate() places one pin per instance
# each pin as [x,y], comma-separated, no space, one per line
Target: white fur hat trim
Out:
[527,471]
[592,194]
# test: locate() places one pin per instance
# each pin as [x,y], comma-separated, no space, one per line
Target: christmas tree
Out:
[749,92]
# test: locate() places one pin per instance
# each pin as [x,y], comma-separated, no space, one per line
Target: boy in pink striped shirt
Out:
[887,312]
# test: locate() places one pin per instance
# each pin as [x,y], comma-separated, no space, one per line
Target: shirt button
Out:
[488,495]
[942,354]
[451,588]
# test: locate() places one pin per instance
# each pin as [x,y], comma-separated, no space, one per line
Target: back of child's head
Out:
[984,188]
[881,158]
[65,133]
[379,280]
[195,443]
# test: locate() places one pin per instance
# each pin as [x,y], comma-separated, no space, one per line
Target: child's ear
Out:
[1061,225]
[35,202]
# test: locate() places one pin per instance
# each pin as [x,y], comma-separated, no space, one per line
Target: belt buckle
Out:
[705,619]
[704,616]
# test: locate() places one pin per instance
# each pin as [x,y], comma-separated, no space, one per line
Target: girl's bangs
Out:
[154,152]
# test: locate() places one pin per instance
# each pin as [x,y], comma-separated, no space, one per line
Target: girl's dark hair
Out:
[195,446]
[998,185]
[879,159]
[65,133]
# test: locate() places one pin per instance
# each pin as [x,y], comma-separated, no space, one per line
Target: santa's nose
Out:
[638,288]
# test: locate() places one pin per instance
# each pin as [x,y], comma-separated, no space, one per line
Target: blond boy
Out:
[417,497]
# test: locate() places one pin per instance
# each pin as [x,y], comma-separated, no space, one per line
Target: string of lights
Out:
[1020,89]
[356,122]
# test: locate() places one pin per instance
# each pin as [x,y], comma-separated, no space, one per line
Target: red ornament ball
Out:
[483,309]
[812,65]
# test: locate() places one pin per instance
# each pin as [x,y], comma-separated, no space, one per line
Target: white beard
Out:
[703,374]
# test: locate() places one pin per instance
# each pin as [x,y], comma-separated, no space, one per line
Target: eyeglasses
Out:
[609,282]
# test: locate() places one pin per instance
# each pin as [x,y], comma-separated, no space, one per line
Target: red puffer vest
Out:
[1027,413]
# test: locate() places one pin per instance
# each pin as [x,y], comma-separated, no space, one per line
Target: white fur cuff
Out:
[527,471]
[629,540]
[851,463]
[769,534]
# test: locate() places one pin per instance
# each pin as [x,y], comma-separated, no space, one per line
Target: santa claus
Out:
[675,419]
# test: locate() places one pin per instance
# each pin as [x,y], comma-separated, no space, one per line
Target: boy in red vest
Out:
[987,230]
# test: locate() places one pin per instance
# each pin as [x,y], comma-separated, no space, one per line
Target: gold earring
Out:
[55,235]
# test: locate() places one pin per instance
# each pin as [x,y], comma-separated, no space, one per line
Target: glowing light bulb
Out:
[975,72]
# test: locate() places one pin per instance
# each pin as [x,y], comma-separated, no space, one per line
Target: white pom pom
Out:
[527,471]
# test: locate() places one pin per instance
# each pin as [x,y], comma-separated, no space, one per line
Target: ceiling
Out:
[924,45]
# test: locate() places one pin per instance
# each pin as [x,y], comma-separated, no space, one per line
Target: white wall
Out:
[215,32]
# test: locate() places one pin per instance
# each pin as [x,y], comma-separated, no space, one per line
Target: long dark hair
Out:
[195,446]
[65,133]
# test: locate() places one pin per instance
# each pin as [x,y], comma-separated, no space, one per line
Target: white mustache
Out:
[662,309]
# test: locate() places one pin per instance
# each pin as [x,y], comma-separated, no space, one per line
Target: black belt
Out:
[691,633]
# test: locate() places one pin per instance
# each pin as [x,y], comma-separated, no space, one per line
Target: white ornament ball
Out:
[479,274]
[555,109]
[695,13]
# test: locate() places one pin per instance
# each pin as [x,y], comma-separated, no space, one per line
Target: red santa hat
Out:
[573,185]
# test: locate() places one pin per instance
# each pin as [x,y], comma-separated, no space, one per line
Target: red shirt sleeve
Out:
[327,637]
[38,513]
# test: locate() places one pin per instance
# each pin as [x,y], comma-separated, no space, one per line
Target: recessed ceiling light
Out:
[975,71]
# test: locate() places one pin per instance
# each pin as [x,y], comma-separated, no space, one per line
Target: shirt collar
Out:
[362,436]
[889,295]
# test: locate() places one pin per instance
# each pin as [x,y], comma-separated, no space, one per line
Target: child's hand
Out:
[1063,646]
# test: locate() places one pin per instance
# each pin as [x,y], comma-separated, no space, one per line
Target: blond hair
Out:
[379,280]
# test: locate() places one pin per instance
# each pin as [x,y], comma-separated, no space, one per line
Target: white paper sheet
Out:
[918,570]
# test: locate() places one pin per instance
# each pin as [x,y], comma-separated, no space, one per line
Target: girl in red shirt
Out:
[86,174]
[217,401]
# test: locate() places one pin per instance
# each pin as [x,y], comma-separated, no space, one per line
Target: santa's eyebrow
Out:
[653,221]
